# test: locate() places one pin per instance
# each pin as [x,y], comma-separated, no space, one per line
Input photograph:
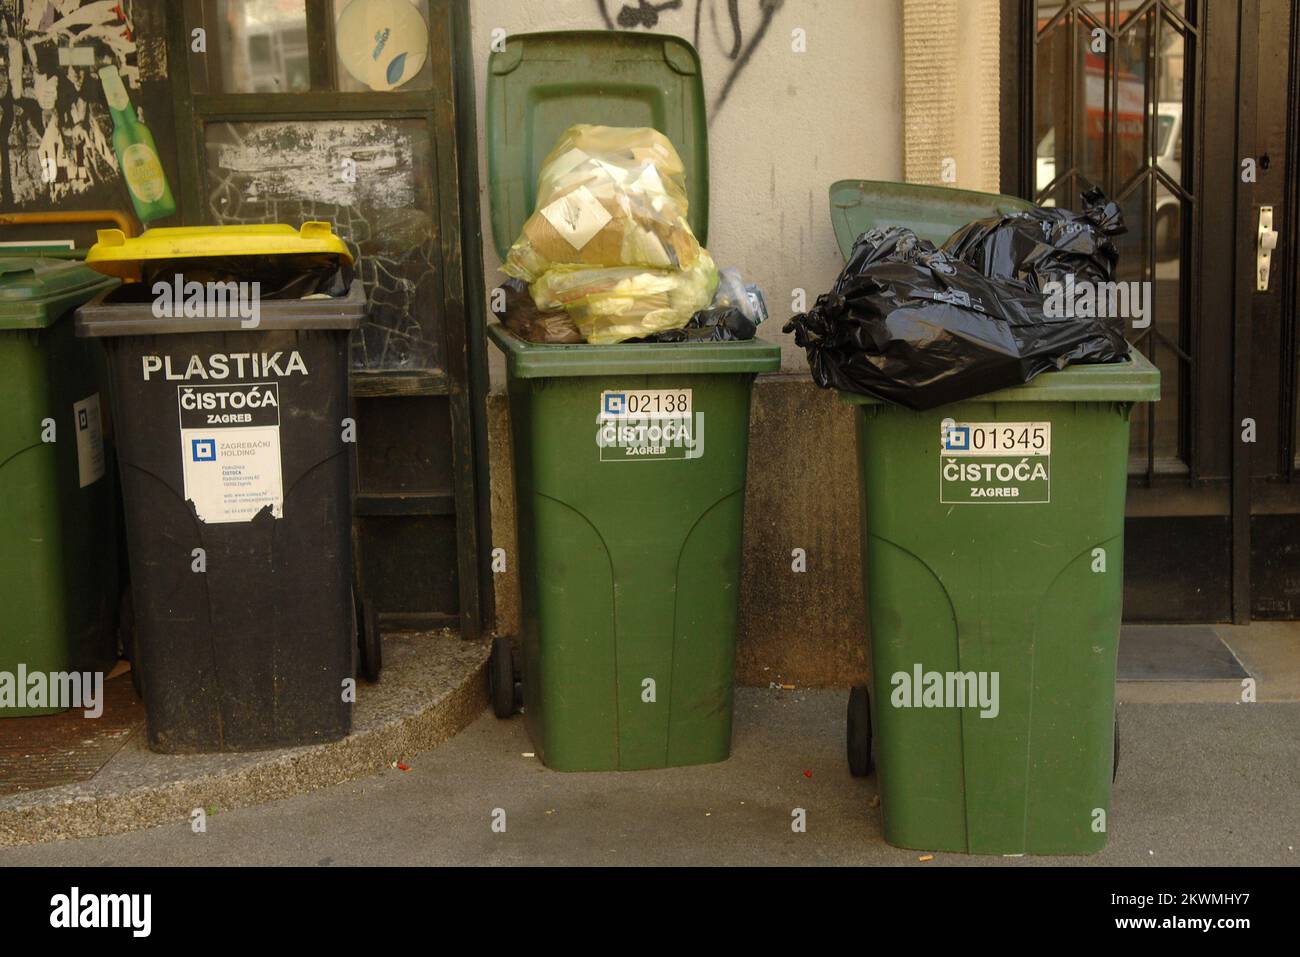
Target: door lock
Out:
[1266,243]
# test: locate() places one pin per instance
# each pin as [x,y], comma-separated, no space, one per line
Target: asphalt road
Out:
[1199,784]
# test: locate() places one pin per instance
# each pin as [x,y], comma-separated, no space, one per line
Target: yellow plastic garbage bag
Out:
[612,304]
[607,196]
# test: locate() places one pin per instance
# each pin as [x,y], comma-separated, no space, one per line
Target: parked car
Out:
[1169,157]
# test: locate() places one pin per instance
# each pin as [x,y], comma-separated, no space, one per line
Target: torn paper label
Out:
[650,182]
[577,217]
[230,450]
[90,440]
[563,164]
[616,173]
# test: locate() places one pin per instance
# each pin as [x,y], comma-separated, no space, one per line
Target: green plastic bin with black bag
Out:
[993,547]
[59,590]
[629,530]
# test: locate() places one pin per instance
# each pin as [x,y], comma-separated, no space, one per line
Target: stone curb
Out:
[431,689]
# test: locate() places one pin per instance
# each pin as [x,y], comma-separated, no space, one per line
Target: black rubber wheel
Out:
[1114,770]
[501,678]
[127,640]
[370,642]
[859,732]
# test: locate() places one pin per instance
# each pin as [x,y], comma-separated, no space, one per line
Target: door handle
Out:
[1266,242]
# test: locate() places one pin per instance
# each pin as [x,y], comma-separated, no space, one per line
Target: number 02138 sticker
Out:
[988,462]
[648,425]
[645,404]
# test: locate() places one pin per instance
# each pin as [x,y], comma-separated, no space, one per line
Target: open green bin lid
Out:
[543,83]
[36,292]
[932,212]
[40,251]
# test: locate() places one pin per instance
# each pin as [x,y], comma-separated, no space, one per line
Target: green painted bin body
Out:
[1028,588]
[629,567]
[58,512]
[963,577]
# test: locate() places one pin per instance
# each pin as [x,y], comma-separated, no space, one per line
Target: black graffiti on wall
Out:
[286,171]
[724,18]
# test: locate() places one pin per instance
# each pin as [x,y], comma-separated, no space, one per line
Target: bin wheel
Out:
[126,638]
[370,642]
[1114,770]
[859,732]
[501,678]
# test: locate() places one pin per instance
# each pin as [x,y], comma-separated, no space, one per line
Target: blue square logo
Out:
[203,450]
[615,403]
[957,439]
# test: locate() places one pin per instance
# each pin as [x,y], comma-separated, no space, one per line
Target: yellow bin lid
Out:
[116,255]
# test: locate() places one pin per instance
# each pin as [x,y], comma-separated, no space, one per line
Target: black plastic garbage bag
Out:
[1043,245]
[524,319]
[278,277]
[911,324]
[715,324]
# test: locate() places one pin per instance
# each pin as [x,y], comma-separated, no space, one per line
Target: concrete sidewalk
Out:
[1199,784]
[68,778]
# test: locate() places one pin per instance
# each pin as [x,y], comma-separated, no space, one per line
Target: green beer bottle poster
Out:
[137,157]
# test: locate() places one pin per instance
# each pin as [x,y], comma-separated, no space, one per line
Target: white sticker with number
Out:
[645,404]
[995,438]
[646,425]
[995,462]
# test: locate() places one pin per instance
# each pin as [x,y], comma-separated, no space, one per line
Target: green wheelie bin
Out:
[58,513]
[992,545]
[629,459]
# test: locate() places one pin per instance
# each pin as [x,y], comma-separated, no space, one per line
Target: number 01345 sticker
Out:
[987,462]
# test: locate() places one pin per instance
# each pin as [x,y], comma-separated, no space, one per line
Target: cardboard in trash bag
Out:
[524,319]
[911,324]
[617,303]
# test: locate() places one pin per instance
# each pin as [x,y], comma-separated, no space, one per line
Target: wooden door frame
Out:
[448,112]
[1222,467]
[1269,470]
